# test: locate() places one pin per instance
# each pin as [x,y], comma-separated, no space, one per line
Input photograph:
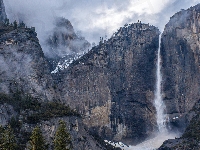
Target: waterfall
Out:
[156,141]
[158,101]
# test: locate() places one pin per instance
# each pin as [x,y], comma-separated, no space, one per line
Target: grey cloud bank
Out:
[94,18]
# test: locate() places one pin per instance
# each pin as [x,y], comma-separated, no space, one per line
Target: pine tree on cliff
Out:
[62,139]
[36,140]
[8,141]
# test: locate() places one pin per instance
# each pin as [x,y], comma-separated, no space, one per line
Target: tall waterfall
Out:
[156,141]
[158,101]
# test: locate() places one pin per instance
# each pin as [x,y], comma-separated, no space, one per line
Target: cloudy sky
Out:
[93,18]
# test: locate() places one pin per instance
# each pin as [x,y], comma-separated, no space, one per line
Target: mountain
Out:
[107,93]
[28,95]
[113,84]
[23,65]
[64,45]
[180,63]
[180,51]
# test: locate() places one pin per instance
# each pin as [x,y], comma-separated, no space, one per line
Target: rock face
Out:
[191,137]
[27,91]
[2,12]
[64,45]
[81,140]
[180,52]
[6,113]
[23,66]
[113,84]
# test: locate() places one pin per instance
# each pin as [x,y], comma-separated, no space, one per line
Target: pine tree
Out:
[36,140]
[1,136]
[8,141]
[62,139]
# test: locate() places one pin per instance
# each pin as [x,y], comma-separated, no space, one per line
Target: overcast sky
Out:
[94,18]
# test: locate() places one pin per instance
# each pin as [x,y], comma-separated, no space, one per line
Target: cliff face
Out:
[64,45]
[113,84]
[180,52]
[2,12]
[27,91]
[23,67]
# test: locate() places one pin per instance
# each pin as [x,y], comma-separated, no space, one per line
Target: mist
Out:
[93,18]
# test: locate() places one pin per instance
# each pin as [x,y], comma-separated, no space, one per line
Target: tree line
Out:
[62,139]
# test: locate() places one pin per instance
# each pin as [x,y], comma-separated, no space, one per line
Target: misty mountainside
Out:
[27,92]
[23,65]
[107,93]
[64,45]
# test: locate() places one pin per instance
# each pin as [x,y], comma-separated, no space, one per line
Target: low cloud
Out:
[94,18]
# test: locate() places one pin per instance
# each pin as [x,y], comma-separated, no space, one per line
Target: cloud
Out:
[94,18]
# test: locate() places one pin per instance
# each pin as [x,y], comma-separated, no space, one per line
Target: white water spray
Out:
[158,102]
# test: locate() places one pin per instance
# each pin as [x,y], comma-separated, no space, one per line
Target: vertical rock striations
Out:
[113,84]
[180,52]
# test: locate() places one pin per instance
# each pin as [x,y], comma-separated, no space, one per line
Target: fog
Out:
[93,18]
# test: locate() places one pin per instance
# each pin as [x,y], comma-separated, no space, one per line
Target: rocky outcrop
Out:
[23,67]
[64,45]
[180,50]
[80,138]
[191,137]
[113,84]
[3,16]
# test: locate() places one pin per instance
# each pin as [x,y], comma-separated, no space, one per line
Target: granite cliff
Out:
[64,45]
[180,51]
[180,63]
[27,90]
[3,16]
[113,84]
[106,92]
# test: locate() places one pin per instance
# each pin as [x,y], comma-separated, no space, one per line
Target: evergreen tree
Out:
[36,140]
[62,139]
[1,136]
[8,141]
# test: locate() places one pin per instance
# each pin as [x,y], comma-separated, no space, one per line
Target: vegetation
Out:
[36,140]
[50,110]
[39,111]
[62,139]
[7,139]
